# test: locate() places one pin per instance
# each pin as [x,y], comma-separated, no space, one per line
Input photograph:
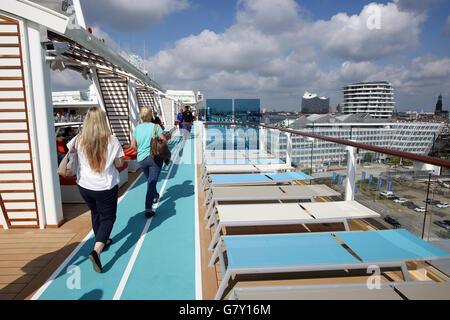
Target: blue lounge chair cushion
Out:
[322,248]
[285,250]
[385,245]
[283,176]
[266,161]
[239,178]
[227,161]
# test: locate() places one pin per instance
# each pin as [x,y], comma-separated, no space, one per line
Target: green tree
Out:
[368,157]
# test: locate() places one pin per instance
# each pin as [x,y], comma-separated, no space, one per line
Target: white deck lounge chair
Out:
[240,215]
[349,291]
[266,193]
[286,253]
[425,291]
[237,155]
[254,179]
[243,168]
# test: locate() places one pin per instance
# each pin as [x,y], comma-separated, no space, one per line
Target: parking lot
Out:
[410,219]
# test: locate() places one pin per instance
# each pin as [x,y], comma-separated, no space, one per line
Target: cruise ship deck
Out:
[167,257]
[237,218]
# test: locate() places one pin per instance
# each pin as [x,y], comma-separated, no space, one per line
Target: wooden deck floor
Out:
[28,257]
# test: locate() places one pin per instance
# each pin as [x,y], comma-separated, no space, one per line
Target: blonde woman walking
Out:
[140,141]
[99,154]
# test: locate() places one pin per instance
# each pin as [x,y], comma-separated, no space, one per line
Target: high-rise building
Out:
[438,109]
[311,103]
[374,98]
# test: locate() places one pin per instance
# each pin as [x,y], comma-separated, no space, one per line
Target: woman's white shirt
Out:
[105,180]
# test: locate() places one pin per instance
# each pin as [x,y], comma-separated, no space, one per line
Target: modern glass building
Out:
[239,111]
[219,110]
[247,110]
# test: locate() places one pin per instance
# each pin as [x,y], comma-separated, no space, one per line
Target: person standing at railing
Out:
[99,155]
[187,121]
[140,141]
[180,121]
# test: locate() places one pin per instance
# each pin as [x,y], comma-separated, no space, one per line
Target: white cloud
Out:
[272,49]
[272,52]
[353,37]
[130,15]
[68,80]
[269,16]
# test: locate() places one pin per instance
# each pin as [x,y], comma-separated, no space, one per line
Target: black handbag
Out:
[159,150]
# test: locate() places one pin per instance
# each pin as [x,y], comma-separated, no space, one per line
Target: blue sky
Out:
[278,49]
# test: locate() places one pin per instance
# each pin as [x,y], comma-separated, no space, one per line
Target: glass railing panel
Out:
[397,191]
[395,188]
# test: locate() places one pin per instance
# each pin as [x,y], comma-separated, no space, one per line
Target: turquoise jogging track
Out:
[165,265]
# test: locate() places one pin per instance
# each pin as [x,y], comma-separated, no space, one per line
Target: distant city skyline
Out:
[276,50]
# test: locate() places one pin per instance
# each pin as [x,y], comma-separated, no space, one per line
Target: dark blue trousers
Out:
[151,169]
[103,206]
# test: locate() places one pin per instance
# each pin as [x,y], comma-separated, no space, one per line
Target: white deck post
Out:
[160,108]
[79,13]
[263,139]
[203,139]
[41,97]
[289,149]
[351,174]
[174,115]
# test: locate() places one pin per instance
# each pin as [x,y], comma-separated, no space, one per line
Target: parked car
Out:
[407,203]
[412,206]
[393,198]
[391,220]
[431,201]
[443,224]
[419,209]
[387,194]
[443,184]
[373,189]
[443,205]
[400,200]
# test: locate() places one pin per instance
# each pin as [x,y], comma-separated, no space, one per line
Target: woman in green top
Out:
[140,141]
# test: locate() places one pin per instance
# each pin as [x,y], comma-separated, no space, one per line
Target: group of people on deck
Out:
[100,154]
[185,119]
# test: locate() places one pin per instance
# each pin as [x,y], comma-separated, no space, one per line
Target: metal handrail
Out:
[402,154]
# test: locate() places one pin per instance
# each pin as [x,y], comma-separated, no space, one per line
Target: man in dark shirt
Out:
[157,120]
[187,121]
[69,133]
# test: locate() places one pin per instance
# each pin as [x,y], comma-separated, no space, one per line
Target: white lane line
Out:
[74,252]
[138,247]
[198,267]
